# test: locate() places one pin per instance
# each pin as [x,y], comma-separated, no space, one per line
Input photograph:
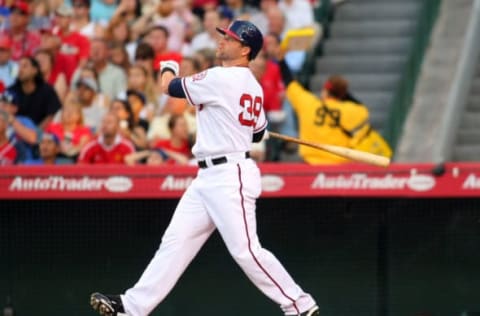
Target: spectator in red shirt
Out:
[24,42]
[71,131]
[109,147]
[177,147]
[157,37]
[62,63]
[73,43]
[8,153]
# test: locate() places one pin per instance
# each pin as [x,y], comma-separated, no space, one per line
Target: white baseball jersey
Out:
[229,104]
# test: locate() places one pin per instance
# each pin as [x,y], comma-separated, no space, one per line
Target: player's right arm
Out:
[171,84]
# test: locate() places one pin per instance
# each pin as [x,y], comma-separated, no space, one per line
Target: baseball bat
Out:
[344,152]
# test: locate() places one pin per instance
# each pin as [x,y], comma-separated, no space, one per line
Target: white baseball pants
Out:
[221,197]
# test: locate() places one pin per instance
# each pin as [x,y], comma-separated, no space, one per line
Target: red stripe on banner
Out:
[250,247]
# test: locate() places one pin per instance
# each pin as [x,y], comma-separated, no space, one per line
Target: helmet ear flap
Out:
[253,54]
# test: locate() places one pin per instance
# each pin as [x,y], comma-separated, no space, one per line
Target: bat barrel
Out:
[352,154]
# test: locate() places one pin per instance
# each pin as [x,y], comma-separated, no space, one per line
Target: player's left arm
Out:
[259,136]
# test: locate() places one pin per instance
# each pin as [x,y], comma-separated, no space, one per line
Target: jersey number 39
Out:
[251,109]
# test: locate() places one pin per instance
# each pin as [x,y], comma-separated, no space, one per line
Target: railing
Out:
[457,96]
[323,14]
[404,94]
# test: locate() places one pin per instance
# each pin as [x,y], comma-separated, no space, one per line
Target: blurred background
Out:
[398,78]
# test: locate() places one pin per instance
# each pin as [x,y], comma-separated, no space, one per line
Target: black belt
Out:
[218,161]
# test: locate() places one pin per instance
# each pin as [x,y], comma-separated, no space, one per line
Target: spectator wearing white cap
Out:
[94,106]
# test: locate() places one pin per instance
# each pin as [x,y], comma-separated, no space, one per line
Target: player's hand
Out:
[171,65]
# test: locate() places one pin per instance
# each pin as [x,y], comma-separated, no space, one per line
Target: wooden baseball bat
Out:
[344,152]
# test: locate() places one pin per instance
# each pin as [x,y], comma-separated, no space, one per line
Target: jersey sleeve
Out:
[200,87]
[261,122]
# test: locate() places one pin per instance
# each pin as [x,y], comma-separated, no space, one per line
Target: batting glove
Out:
[170,65]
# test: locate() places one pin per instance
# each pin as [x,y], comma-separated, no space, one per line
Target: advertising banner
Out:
[278,180]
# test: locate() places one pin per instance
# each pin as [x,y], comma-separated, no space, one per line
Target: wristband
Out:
[168,69]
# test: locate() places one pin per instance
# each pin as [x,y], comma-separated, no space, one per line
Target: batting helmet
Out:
[246,33]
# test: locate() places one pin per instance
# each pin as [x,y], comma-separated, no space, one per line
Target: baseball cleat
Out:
[107,305]
[314,311]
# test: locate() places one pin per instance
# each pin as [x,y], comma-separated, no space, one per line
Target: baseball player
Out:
[230,116]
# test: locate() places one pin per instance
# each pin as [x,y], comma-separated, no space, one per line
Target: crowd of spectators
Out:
[79,80]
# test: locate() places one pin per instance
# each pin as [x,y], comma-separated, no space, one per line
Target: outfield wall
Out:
[358,255]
